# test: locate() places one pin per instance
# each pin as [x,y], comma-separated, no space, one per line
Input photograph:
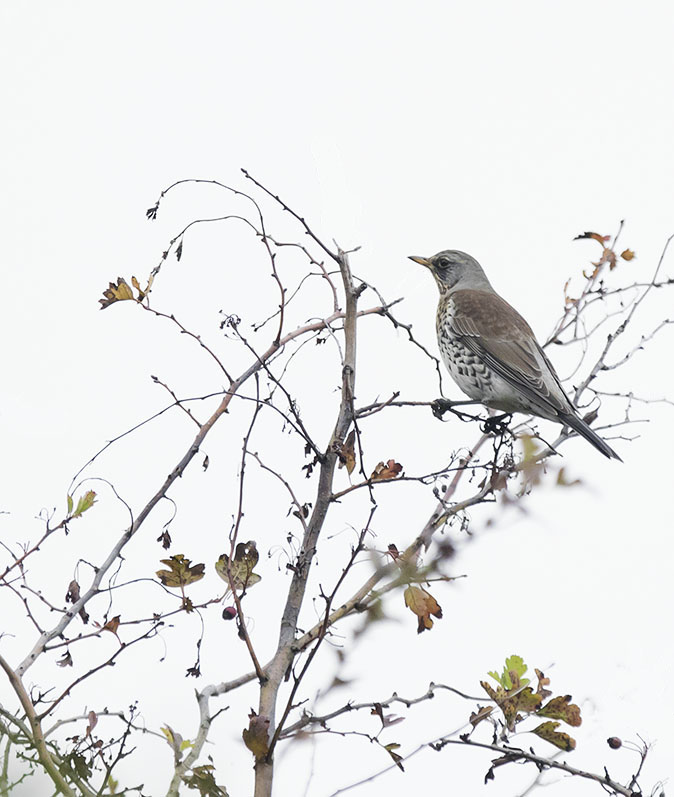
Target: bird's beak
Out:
[422,261]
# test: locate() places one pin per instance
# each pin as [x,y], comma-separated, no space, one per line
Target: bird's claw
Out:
[496,424]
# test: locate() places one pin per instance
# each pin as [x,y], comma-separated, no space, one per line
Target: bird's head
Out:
[454,270]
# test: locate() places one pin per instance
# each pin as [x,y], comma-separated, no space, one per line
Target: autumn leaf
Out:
[628,254]
[386,719]
[347,453]
[481,714]
[548,732]
[240,575]
[423,604]
[384,472]
[116,292]
[256,735]
[66,660]
[180,572]
[203,779]
[513,701]
[73,593]
[113,624]
[561,708]
[542,683]
[391,750]
[595,236]
[93,721]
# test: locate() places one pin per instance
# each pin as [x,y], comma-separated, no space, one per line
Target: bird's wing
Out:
[498,335]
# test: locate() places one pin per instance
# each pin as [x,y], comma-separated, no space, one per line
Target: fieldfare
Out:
[491,352]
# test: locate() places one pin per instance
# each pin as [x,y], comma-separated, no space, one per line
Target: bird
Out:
[491,352]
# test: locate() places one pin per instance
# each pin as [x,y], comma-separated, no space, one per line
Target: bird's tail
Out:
[578,425]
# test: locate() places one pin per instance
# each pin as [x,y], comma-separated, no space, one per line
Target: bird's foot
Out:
[442,405]
[496,424]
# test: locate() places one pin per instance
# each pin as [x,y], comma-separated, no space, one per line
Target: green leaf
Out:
[181,572]
[85,502]
[238,572]
[515,665]
[70,505]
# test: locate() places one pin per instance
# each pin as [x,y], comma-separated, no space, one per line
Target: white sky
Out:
[500,129]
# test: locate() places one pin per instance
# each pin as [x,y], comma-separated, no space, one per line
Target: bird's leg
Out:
[442,405]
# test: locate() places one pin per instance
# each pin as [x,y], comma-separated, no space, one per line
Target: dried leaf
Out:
[93,720]
[66,660]
[256,735]
[203,779]
[347,453]
[391,750]
[383,472]
[548,732]
[481,714]
[423,604]
[116,292]
[165,539]
[180,572]
[113,624]
[73,593]
[628,254]
[240,575]
[393,552]
[595,236]
[542,683]
[561,708]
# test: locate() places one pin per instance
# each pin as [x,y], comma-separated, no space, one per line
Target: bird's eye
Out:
[443,262]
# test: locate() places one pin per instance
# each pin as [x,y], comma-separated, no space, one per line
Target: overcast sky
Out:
[503,129]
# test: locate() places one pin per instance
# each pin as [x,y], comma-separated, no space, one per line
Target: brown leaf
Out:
[595,236]
[73,593]
[347,453]
[66,660]
[561,708]
[180,572]
[112,625]
[116,292]
[383,472]
[423,604]
[256,735]
[481,714]
[547,732]
[511,701]
[542,683]
[93,720]
[393,551]
[628,254]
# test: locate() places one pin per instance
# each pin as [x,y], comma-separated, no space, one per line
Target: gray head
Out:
[454,270]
